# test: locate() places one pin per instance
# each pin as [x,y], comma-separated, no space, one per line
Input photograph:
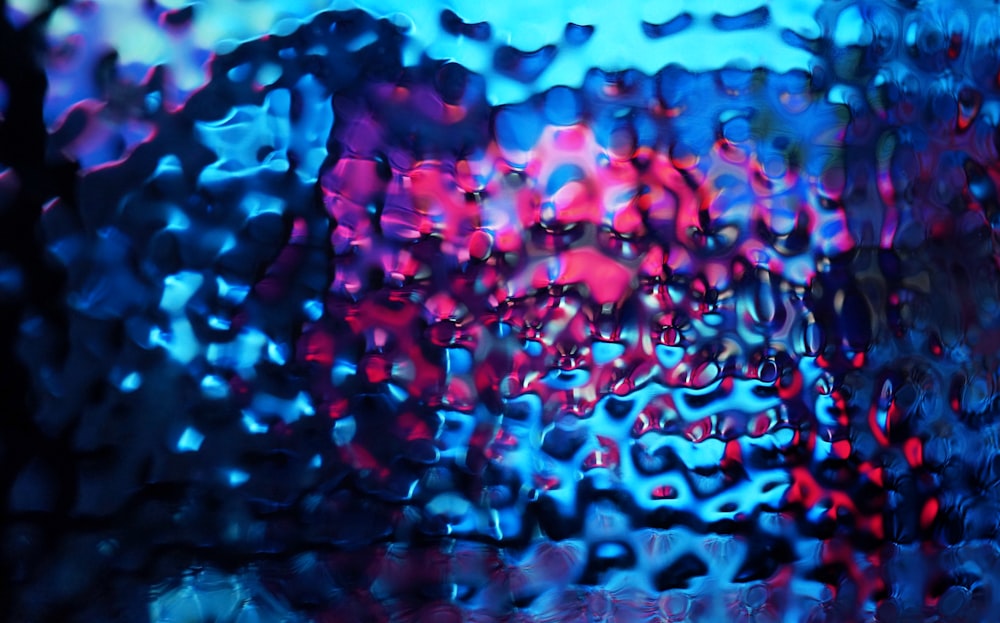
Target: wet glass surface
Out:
[419,311]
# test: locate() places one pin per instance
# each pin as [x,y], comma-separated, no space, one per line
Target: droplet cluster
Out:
[421,315]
